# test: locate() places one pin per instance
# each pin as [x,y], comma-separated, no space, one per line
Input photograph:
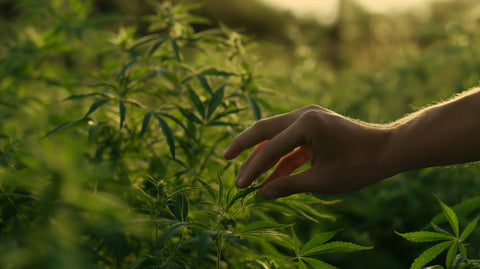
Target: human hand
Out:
[345,155]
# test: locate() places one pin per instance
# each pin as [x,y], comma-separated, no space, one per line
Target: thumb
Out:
[288,185]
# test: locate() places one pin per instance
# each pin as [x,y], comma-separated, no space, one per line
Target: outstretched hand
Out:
[345,155]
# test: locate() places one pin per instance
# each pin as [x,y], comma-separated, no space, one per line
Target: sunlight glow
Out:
[325,10]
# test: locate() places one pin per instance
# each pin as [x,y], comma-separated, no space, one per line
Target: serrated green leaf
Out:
[450,215]
[462,249]
[461,209]
[189,115]
[169,232]
[126,67]
[301,264]
[96,106]
[145,123]
[273,237]
[257,113]
[212,71]
[429,255]
[177,121]
[260,226]
[133,103]
[296,242]
[203,243]
[176,49]
[220,186]
[440,230]
[221,123]
[179,206]
[309,211]
[469,229]
[215,101]
[206,186]
[241,194]
[336,246]
[155,47]
[81,96]
[226,113]
[425,236]
[167,132]
[122,109]
[318,263]
[318,239]
[196,102]
[452,251]
[233,239]
[62,126]
[204,82]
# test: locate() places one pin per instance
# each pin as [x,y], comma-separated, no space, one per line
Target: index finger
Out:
[262,130]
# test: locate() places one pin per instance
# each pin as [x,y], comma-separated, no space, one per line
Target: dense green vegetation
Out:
[113,127]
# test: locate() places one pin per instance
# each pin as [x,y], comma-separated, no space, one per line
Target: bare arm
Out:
[346,154]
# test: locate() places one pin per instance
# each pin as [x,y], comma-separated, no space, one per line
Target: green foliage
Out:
[92,184]
[113,127]
[453,242]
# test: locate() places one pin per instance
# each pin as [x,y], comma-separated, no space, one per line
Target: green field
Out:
[114,118]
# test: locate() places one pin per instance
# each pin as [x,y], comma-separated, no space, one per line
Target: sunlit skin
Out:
[346,155]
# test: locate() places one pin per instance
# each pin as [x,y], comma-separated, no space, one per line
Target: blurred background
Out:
[367,59]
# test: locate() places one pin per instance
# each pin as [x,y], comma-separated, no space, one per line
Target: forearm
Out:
[443,134]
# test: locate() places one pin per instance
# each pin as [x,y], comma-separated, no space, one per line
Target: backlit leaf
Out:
[451,217]
[318,263]
[452,251]
[425,236]
[318,239]
[469,229]
[260,226]
[429,255]
[336,246]
[242,194]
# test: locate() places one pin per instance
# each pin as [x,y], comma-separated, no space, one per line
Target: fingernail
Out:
[270,193]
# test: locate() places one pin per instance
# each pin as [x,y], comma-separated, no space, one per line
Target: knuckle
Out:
[313,107]
[311,118]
